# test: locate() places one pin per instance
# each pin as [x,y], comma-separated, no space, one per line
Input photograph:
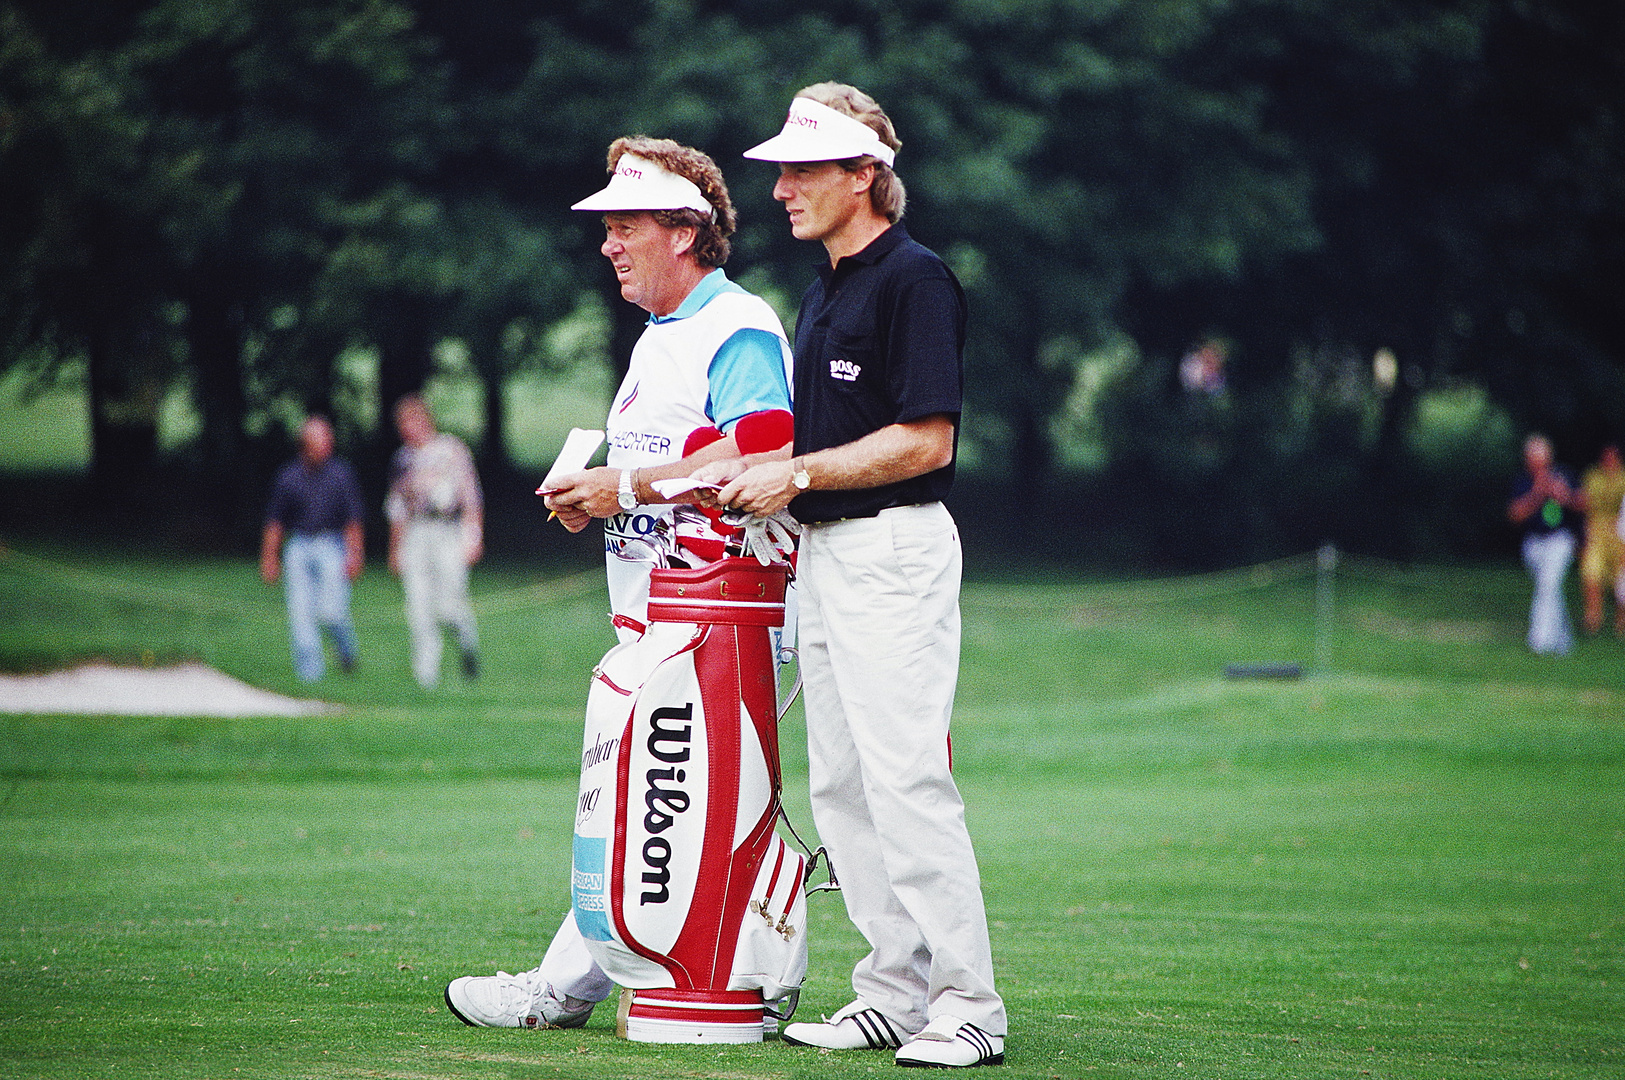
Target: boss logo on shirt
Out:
[845,370]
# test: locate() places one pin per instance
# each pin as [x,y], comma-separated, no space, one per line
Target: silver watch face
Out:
[627,500]
[801,479]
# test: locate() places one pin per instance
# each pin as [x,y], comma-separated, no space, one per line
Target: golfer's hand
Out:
[720,473]
[761,489]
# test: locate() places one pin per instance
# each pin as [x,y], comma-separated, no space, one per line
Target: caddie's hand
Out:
[395,560]
[761,489]
[270,568]
[591,492]
[475,551]
[572,518]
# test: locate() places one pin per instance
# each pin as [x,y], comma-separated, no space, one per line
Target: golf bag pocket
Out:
[772,951]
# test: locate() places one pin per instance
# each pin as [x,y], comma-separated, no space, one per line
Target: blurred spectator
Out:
[1603,489]
[1545,504]
[1202,369]
[316,509]
[436,532]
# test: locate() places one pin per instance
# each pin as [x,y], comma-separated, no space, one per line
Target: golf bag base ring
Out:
[695,1016]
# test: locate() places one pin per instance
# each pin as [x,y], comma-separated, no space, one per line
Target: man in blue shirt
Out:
[313,530]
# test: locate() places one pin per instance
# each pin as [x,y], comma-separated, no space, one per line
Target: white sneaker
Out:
[950,1043]
[856,1027]
[525,1000]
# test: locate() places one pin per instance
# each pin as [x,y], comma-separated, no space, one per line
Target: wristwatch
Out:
[798,475]
[624,494]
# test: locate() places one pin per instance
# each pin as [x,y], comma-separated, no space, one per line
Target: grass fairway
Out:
[1409,865]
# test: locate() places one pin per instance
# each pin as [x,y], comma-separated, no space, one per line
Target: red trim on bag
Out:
[773,882]
[605,679]
[699,1006]
[735,591]
[705,547]
[743,1017]
[795,881]
[627,622]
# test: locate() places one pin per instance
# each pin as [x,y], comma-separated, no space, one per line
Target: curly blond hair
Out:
[711,233]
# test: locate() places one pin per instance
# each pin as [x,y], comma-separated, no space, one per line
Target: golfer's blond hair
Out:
[886,194]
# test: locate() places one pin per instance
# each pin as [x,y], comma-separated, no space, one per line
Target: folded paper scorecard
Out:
[670,489]
[579,447]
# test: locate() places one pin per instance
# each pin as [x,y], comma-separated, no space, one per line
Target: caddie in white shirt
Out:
[709,379]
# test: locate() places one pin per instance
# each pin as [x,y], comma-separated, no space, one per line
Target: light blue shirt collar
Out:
[710,285]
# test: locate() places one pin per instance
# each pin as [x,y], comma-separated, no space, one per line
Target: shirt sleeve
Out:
[746,376]
[355,512]
[395,497]
[276,511]
[468,480]
[925,342]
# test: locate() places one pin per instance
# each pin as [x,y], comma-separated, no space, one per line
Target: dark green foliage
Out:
[230,193]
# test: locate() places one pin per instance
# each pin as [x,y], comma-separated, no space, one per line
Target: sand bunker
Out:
[183,690]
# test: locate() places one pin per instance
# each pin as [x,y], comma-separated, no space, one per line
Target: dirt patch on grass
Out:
[183,690]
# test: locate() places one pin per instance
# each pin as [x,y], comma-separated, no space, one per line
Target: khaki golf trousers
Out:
[879,640]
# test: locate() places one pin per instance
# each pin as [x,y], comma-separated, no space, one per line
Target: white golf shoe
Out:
[950,1043]
[525,1000]
[856,1027]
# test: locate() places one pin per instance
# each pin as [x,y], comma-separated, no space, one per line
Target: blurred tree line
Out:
[1245,275]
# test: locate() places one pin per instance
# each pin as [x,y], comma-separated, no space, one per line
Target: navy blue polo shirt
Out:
[879,341]
[1552,515]
[306,500]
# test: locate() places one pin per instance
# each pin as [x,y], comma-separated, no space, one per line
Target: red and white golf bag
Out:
[681,887]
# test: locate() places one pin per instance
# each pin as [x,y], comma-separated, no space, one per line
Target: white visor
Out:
[815,132]
[641,184]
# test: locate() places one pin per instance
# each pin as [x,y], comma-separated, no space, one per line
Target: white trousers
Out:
[570,969]
[879,639]
[1547,557]
[434,575]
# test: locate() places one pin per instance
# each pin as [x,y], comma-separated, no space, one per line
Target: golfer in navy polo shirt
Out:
[877,403]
